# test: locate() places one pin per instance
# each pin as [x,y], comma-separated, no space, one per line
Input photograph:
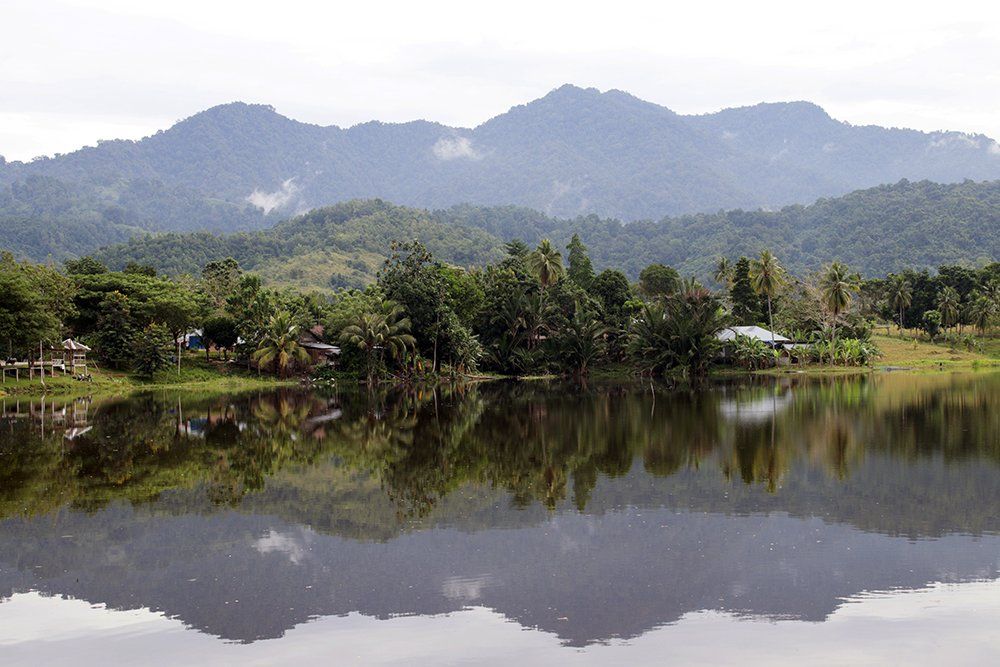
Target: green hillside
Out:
[882,229]
[239,167]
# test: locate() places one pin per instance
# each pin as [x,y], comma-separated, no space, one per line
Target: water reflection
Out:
[588,512]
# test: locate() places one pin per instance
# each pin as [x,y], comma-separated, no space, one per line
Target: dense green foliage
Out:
[955,297]
[525,314]
[922,225]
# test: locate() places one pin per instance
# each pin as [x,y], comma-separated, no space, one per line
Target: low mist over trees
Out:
[907,225]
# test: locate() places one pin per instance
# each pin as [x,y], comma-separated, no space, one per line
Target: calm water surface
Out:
[841,520]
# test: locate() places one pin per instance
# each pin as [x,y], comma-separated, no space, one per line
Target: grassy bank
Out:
[196,374]
[911,354]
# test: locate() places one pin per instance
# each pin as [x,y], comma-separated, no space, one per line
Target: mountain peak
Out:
[232,111]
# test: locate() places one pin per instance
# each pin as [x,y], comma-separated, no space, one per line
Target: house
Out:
[791,350]
[777,341]
[319,351]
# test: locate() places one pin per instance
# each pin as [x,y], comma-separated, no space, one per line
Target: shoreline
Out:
[899,355]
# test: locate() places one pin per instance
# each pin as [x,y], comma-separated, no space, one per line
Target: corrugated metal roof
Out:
[730,333]
[70,344]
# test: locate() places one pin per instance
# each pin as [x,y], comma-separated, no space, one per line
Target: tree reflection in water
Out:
[401,454]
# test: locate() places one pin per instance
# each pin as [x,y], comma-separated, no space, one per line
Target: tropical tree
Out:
[384,328]
[745,303]
[981,312]
[752,353]
[678,332]
[220,331]
[658,280]
[900,296]
[837,287]
[279,346]
[948,304]
[723,273]
[177,309]
[148,347]
[931,323]
[767,277]
[581,271]
[579,341]
[546,263]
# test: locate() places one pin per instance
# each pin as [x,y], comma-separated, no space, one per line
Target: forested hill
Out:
[878,230]
[573,152]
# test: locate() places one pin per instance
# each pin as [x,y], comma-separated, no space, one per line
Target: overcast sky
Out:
[75,71]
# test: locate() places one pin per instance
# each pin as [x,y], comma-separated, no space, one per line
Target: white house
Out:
[771,339]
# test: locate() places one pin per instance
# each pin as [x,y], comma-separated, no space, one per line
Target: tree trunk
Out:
[178,355]
[770,320]
[833,342]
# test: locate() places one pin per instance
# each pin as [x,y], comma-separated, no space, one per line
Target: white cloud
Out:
[454,148]
[954,140]
[294,547]
[277,199]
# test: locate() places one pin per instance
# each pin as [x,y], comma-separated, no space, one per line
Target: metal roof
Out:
[730,333]
[70,344]
[320,346]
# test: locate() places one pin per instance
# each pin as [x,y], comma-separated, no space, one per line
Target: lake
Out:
[849,519]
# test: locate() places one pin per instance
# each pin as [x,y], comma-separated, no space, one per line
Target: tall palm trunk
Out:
[770,320]
[833,342]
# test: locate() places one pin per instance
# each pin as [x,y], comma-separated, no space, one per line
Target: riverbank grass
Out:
[920,354]
[197,373]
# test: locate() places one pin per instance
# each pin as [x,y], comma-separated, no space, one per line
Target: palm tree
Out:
[679,332]
[767,278]
[981,313]
[948,304]
[900,297]
[580,340]
[384,328]
[837,286]
[723,272]
[280,344]
[546,263]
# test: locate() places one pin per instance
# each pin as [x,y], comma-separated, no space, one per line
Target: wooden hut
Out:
[75,355]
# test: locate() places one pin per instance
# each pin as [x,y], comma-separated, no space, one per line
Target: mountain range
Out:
[573,152]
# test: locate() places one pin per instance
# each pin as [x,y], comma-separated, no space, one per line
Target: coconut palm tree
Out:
[948,304]
[384,328]
[280,344]
[900,296]
[981,313]
[546,263]
[723,273]
[767,278]
[837,287]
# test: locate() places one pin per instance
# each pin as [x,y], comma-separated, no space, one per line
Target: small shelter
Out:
[74,355]
[319,351]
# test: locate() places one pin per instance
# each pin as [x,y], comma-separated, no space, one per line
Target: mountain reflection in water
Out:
[591,513]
